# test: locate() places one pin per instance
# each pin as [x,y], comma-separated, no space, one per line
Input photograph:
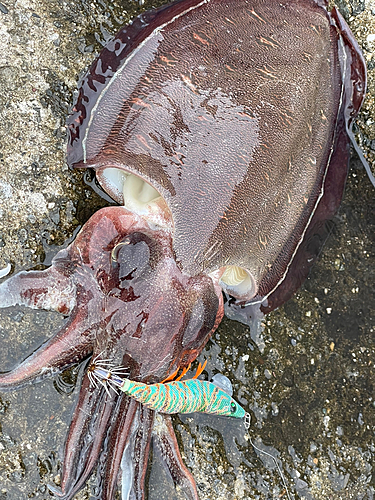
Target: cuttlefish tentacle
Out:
[129,449]
[165,443]
[49,289]
[142,443]
[121,428]
[84,441]
[73,343]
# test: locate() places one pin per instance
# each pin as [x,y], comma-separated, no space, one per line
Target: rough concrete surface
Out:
[311,393]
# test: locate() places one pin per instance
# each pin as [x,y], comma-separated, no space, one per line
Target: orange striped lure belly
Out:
[187,396]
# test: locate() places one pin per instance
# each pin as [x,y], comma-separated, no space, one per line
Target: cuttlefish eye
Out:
[136,194]
[233,407]
[238,282]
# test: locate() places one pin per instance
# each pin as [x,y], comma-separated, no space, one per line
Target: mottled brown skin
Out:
[239,115]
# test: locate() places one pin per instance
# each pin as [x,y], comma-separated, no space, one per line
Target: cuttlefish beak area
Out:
[139,196]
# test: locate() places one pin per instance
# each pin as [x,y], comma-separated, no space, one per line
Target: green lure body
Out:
[186,396]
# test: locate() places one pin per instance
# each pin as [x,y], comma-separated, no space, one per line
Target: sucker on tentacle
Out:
[176,396]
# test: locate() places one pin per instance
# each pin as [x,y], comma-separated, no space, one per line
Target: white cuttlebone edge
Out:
[129,58]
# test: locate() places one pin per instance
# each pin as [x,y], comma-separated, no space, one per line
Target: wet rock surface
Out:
[310,393]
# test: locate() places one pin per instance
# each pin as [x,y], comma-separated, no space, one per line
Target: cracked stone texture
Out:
[311,393]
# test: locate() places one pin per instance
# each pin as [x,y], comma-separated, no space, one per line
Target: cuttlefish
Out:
[222,130]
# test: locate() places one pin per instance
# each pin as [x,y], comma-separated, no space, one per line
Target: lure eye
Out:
[233,407]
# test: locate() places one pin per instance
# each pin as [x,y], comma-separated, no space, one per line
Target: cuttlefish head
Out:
[149,200]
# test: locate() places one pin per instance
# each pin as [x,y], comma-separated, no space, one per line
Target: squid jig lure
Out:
[176,396]
[171,396]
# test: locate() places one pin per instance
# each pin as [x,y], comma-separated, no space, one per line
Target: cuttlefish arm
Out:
[132,304]
[165,443]
[127,412]
[74,285]
[69,346]
[137,460]
[134,429]
[84,441]
[49,289]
